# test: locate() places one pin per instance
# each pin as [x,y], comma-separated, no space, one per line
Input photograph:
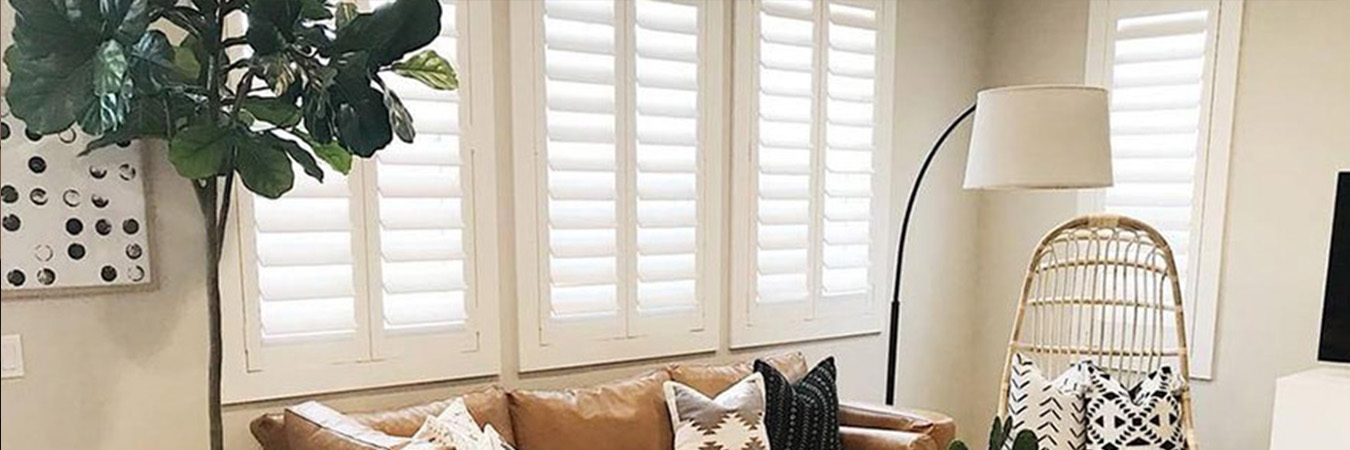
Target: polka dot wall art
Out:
[70,222]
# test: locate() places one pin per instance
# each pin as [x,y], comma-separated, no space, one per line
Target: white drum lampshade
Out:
[1040,137]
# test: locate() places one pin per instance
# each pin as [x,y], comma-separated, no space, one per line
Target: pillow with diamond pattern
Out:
[805,415]
[732,421]
[1147,416]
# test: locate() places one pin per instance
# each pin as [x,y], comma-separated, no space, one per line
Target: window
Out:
[1171,67]
[618,178]
[385,276]
[811,146]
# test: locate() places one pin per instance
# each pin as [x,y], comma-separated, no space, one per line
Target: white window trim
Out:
[417,359]
[574,350]
[752,328]
[1211,183]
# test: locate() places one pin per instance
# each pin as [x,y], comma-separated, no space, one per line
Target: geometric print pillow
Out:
[1147,416]
[1054,409]
[732,421]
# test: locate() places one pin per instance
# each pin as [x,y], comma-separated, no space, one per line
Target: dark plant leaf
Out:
[399,118]
[203,150]
[314,10]
[363,121]
[296,153]
[957,445]
[112,91]
[996,434]
[125,20]
[282,14]
[149,118]
[1026,440]
[52,28]
[318,115]
[277,111]
[264,36]
[152,63]
[49,93]
[429,68]
[391,31]
[265,170]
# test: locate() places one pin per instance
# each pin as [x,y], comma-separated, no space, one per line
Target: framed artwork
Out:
[68,222]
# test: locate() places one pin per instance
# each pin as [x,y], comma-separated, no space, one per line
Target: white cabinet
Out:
[1312,410]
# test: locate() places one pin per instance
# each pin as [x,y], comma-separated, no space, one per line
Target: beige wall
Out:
[1293,104]
[127,371]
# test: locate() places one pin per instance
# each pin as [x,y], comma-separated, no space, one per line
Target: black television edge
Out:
[1335,347]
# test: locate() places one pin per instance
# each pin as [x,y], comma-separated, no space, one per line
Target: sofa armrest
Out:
[855,438]
[270,431]
[941,428]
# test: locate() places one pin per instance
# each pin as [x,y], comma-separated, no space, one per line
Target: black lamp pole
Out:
[900,254]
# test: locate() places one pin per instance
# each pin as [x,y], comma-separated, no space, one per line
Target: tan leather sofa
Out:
[623,415]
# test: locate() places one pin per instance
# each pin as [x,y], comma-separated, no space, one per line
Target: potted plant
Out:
[309,88]
[998,438]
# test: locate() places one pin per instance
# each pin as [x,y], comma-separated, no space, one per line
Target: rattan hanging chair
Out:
[1103,288]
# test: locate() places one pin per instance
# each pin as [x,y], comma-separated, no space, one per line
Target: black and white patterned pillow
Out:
[802,416]
[1053,409]
[1147,416]
[732,421]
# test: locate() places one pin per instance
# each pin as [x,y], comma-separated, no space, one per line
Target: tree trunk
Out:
[215,210]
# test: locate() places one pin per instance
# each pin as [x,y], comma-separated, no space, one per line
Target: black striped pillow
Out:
[805,415]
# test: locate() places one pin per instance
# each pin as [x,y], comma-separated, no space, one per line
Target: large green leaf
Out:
[399,117]
[391,31]
[332,153]
[49,92]
[335,155]
[363,122]
[295,152]
[278,111]
[429,68]
[152,62]
[69,57]
[203,150]
[265,170]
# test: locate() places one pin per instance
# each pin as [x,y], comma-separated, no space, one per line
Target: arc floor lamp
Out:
[1025,137]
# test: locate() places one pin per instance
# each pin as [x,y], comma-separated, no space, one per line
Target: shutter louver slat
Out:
[421,207]
[582,183]
[666,47]
[850,86]
[1158,73]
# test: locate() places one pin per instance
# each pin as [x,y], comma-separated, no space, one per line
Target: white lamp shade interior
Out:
[1040,137]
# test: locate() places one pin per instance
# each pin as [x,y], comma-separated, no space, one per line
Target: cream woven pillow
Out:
[732,421]
[455,429]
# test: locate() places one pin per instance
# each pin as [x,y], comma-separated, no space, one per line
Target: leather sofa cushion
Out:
[624,415]
[488,406]
[313,426]
[711,380]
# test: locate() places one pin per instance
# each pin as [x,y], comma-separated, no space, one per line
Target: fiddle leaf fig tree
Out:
[303,85]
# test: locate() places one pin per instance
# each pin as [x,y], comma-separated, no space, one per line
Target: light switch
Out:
[11,357]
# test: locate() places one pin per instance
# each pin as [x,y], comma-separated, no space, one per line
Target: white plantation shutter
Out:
[1171,68]
[306,286]
[616,158]
[421,196]
[812,138]
[370,279]
[1158,77]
